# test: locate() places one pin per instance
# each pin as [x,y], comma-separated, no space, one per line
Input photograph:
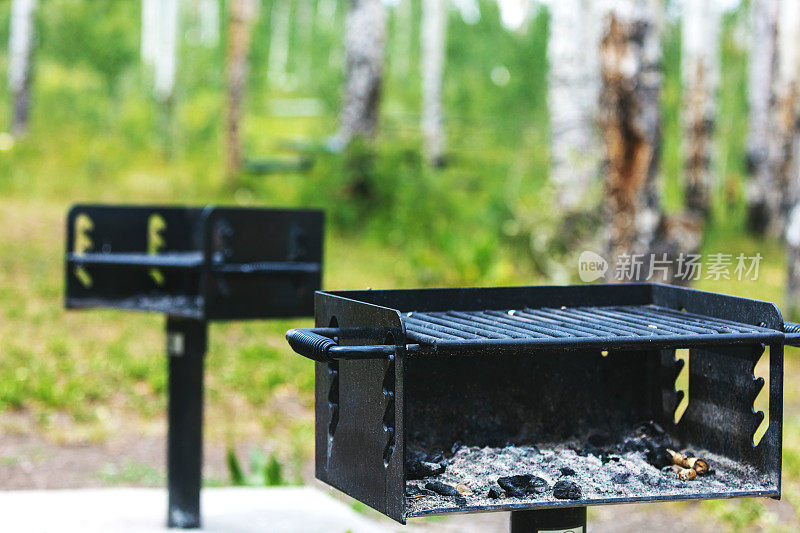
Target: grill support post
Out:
[186,349]
[567,520]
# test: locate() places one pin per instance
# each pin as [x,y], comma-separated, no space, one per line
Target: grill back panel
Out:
[528,398]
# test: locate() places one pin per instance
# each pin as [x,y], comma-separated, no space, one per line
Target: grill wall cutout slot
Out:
[761,403]
[333,388]
[682,383]
[155,243]
[83,243]
[388,413]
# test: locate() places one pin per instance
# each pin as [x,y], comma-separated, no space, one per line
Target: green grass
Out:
[130,472]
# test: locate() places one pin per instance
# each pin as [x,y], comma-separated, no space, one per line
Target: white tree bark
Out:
[20,52]
[149,37]
[279,42]
[209,22]
[792,308]
[166,58]
[784,140]
[784,195]
[764,16]
[470,10]
[365,36]
[434,44]
[701,70]
[574,76]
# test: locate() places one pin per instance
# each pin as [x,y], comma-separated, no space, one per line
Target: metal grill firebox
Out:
[535,383]
[194,265]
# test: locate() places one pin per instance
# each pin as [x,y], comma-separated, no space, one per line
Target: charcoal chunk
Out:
[442,488]
[567,471]
[537,485]
[516,486]
[519,486]
[437,457]
[417,469]
[631,445]
[588,450]
[658,456]
[414,491]
[496,493]
[566,490]
[621,478]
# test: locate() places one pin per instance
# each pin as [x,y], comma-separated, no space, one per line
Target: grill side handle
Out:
[791,331]
[319,345]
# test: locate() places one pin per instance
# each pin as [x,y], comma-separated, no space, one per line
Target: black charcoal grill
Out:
[194,265]
[533,381]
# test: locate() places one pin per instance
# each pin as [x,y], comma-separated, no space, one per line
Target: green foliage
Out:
[238,479]
[130,472]
[264,471]
[96,34]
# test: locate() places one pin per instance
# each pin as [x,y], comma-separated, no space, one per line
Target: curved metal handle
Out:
[791,332]
[317,344]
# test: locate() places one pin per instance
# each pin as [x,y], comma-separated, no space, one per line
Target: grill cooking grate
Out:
[551,325]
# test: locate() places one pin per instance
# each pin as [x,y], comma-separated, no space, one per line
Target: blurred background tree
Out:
[20,58]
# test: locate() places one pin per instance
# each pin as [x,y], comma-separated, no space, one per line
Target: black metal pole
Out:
[566,520]
[186,349]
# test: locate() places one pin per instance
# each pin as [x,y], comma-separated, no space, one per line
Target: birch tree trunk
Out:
[149,34]
[20,55]
[792,308]
[209,22]
[240,14]
[785,149]
[701,35]
[574,78]
[631,127]
[279,42]
[166,50]
[365,35]
[764,16]
[434,44]
[784,140]
[630,54]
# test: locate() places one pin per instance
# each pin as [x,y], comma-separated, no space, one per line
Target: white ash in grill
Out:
[575,469]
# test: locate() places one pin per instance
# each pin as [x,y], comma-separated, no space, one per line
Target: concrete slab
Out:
[141,510]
